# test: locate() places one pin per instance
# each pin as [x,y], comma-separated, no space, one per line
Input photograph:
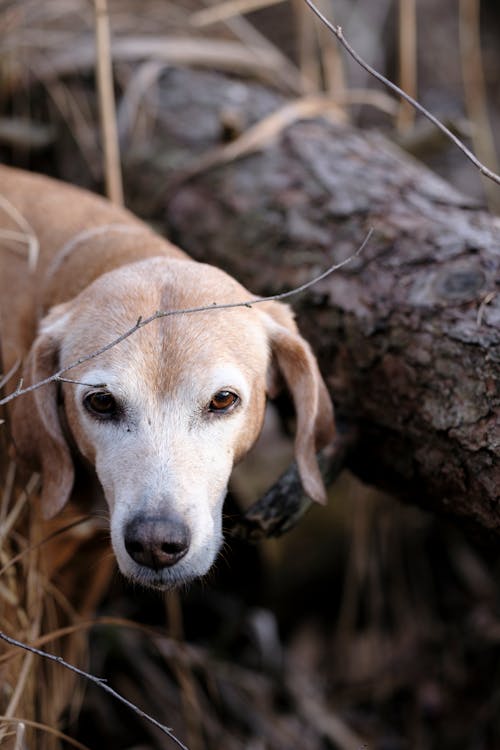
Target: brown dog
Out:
[163,416]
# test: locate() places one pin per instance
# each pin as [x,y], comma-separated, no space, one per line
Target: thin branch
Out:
[141,322]
[79,382]
[99,681]
[284,504]
[337,31]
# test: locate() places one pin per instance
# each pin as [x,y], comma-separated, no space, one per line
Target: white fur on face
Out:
[165,453]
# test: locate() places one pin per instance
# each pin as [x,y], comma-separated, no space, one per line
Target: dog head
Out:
[164,415]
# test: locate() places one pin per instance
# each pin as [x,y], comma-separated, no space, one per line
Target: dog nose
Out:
[156,542]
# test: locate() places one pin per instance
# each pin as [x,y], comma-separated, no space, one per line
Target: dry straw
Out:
[48,41]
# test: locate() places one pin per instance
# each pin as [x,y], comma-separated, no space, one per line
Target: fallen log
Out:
[408,335]
[284,504]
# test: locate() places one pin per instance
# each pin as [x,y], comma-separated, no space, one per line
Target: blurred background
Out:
[370,625]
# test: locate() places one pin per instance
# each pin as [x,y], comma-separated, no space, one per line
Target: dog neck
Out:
[92,252]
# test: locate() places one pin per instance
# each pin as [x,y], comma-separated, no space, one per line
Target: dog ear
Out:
[297,365]
[36,428]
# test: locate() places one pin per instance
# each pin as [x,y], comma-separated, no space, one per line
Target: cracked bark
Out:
[408,335]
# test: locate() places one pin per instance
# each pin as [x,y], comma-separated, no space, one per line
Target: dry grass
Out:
[383,580]
[26,692]
[33,588]
[21,597]
[475,93]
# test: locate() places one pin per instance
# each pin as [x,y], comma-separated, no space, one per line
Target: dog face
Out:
[164,415]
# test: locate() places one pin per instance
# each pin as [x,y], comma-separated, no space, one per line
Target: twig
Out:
[79,382]
[141,322]
[337,31]
[489,297]
[284,504]
[99,681]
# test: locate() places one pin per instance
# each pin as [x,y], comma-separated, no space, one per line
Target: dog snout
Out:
[156,542]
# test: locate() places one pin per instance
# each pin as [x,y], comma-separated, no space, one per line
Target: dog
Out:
[163,416]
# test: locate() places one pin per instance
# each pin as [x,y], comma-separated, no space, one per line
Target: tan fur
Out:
[99,270]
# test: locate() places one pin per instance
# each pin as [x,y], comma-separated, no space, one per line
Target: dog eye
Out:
[101,404]
[223,401]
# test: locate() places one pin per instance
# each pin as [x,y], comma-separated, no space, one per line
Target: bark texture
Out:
[408,334]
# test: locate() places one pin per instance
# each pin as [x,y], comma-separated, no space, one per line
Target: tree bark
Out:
[408,334]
